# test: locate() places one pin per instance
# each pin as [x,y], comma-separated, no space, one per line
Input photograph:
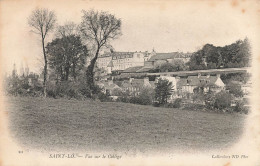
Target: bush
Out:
[68,89]
[235,89]
[220,101]
[134,100]
[123,97]
[156,104]
[146,96]
[15,85]
[103,97]
[176,104]
[240,107]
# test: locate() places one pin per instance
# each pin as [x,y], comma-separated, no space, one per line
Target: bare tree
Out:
[68,29]
[100,28]
[42,22]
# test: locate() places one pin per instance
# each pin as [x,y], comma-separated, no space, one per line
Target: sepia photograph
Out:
[130,82]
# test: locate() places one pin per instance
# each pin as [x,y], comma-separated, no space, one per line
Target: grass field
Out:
[61,124]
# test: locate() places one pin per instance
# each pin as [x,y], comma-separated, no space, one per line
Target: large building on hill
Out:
[158,59]
[120,61]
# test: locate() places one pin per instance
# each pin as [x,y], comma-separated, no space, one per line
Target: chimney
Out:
[146,80]
[156,79]
[131,79]
[110,82]
[199,75]
[218,75]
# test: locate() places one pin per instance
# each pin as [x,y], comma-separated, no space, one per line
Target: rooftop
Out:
[132,69]
[197,81]
[171,55]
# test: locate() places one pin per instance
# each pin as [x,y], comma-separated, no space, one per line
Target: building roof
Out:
[110,64]
[198,81]
[108,85]
[132,69]
[171,55]
[136,83]
[144,69]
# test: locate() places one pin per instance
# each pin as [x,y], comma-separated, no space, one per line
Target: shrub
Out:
[124,99]
[68,89]
[176,104]
[222,100]
[240,107]
[235,89]
[103,97]
[134,100]
[146,96]
[156,104]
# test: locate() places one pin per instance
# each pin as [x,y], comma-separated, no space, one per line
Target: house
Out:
[108,86]
[207,83]
[134,86]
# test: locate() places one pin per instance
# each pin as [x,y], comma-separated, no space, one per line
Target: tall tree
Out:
[176,65]
[67,56]
[197,61]
[42,22]
[99,28]
[163,90]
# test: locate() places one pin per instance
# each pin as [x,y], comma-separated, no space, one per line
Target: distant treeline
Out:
[234,55]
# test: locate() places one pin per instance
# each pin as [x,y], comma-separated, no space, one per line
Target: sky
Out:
[166,26]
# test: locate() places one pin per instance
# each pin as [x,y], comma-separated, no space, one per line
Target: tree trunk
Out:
[90,73]
[67,73]
[45,69]
[74,70]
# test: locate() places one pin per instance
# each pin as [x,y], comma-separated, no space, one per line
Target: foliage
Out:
[176,65]
[67,56]
[98,28]
[163,91]
[220,100]
[234,55]
[123,97]
[145,97]
[104,97]
[235,89]
[197,61]
[240,107]
[240,77]
[198,97]
[20,86]
[71,89]
[176,104]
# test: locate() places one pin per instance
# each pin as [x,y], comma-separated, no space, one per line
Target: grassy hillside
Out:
[60,124]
